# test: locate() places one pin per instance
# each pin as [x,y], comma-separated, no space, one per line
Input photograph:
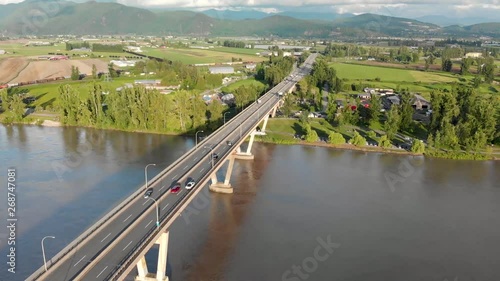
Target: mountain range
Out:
[40,17]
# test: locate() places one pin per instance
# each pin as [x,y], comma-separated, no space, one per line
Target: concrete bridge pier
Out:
[225,186]
[161,271]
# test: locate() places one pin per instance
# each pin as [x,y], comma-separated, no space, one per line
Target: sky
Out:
[403,8]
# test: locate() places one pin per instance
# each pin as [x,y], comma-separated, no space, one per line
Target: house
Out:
[419,103]
[364,96]
[150,83]
[474,55]
[250,66]
[221,70]
[227,99]
[388,101]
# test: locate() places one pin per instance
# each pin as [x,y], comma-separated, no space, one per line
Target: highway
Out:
[104,252]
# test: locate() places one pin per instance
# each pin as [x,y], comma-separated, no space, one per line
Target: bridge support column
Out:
[273,113]
[161,271]
[263,130]
[248,154]
[225,186]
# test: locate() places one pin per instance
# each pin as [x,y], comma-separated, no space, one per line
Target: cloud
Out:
[401,8]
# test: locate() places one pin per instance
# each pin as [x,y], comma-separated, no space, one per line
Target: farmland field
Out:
[194,56]
[355,71]
[246,82]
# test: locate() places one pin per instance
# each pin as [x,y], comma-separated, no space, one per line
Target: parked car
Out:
[176,188]
[148,192]
[190,184]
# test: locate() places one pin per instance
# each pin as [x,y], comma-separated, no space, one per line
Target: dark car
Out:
[148,192]
[215,156]
[176,188]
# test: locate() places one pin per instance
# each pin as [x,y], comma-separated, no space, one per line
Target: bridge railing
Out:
[92,229]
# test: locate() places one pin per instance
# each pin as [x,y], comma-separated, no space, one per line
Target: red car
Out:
[176,188]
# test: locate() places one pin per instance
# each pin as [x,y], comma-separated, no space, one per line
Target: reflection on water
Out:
[440,219]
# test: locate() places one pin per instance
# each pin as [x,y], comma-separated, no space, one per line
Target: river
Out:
[298,213]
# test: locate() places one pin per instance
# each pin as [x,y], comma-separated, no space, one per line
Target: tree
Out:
[384,142]
[358,140]
[476,81]
[75,73]
[335,138]
[17,107]
[446,65]
[94,71]
[406,111]
[311,135]
[374,109]
[417,146]
[331,109]
[393,122]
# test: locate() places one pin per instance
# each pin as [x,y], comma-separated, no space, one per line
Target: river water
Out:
[298,213]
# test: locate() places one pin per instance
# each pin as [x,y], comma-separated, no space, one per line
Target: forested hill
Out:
[38,17]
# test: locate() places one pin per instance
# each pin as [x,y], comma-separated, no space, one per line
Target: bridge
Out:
[118,242]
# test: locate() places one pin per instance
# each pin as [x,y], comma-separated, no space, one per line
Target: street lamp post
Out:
[225,117]
[196,137]
[157,212]
[211,155]
[43,252]
[146,173]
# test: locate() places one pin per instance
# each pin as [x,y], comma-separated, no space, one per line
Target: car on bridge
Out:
[215,156]
[176,188]
[148,192]
[230,143]
[190,184]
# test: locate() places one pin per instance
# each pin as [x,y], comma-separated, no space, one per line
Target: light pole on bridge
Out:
[43,251]
[146,173]
[225,117]
[157,211]
[196,137]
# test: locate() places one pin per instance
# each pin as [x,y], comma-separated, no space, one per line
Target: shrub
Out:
[336,138]
[358,140]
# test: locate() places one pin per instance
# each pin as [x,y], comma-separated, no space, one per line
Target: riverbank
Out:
[265,139]
[375,149]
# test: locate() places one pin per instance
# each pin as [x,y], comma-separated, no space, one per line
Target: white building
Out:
[121,63]
[221,69]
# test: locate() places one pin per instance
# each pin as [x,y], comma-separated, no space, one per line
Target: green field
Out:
[194,56]
[19,50]
[414,80]
[47,94]
[365,72]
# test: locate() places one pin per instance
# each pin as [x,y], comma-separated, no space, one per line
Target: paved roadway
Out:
[142,212]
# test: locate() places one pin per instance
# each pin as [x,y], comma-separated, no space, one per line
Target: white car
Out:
[190,184]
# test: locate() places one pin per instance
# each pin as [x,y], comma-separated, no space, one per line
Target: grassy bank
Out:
[283,130]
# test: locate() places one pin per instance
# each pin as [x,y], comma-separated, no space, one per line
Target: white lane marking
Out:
[164,207]
[148,224]
[102,271]
[185,167]
[196,158]
[202,170]
[174,177]
[127,245]
[80,260]
[162,187]
[106,237]
[127,218]
[145,202]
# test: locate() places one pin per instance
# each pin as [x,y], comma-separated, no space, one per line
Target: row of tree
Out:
[138,108]
[234,44]
[276,69]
